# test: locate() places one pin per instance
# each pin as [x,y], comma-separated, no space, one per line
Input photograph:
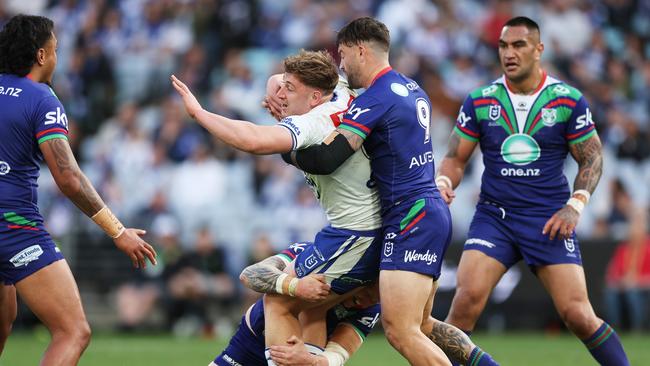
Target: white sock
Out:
[267,355]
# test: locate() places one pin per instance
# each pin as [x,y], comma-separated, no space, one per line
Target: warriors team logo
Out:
[520,149]
[495,112]
[549,115]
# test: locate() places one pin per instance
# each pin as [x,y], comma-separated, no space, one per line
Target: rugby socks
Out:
[267,355]
[605,346]
[478,357]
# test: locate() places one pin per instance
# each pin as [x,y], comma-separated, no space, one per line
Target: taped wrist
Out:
[108,222]
[335,354]
[324,159]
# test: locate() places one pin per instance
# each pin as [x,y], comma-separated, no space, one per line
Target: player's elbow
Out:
[244,276]
[69,183]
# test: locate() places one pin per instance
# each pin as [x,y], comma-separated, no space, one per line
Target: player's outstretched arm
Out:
[588,154]
[325,158]
[76,186]
[267,277]
[241,135]
[452,168]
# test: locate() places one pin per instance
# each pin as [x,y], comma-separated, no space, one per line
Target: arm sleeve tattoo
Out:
[588,155]
[261,276]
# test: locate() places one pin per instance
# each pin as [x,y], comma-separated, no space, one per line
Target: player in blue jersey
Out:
[526,123]
[35,127]
[391,119]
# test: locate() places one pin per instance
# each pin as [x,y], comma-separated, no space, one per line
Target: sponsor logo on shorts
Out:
[311,262]
[298,247]
[230,360]
[390,236]
[413,256]
[26,255]
[476,241]
[4,168]
[388,249]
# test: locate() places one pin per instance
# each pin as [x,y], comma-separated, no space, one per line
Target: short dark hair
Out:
[530,24]
[313,68]
[364,29]
[20,39]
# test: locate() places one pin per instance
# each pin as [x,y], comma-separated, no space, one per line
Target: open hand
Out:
[137,249]
[192,105]
[293,354]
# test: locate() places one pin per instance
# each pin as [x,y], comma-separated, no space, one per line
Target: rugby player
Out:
[526,122]
[313,101]
[391,120]
[35,127]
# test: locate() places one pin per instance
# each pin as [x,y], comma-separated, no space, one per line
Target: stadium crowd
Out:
[195,195]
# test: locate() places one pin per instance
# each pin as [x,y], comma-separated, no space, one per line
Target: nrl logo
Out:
[495,112]
[549,115]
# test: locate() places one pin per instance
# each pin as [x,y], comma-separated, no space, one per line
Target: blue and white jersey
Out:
[393,117]
[31,114]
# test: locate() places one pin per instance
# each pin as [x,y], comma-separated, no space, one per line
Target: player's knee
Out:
[579,318]
[399,333]
[82,335]
[468,302]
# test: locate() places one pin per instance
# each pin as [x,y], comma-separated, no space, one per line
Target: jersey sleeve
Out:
[580,126]
[290,254]
[363,115]
[306,130]
[50,120]
[466,123]
[364,320]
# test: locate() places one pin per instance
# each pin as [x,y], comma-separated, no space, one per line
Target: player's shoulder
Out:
[24,87]
[488,90]
[393,88]
[556,88]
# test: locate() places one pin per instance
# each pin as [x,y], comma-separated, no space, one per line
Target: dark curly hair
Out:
[20,39]
[364,29]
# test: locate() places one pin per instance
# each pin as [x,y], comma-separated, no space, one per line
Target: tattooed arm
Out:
[588,155]
[263,276]
[76,186]
[454,342]
[452,168]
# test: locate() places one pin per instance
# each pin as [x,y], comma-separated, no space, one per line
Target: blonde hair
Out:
[316,69]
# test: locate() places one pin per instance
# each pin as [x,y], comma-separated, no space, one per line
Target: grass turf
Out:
[529,349]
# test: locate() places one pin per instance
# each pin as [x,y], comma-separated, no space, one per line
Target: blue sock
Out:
[478,357]
[454,363]
[605,346]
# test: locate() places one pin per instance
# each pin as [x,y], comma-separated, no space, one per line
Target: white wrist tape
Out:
[279,282]
[577,204]
[584,193]
[108,222]
[335,354]
[443,180]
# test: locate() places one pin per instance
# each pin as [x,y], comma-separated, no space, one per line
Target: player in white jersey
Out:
[313,101]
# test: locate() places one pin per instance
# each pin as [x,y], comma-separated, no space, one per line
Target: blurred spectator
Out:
[197,280]
[259,250]
[628,276]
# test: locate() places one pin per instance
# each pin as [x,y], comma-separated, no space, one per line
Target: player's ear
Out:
[315,98]
[40,56]
[539,49]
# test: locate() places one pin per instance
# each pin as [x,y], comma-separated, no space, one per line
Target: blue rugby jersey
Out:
[393,116]
[31,114]
[525,141]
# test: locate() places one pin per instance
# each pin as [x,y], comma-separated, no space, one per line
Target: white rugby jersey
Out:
[348,196]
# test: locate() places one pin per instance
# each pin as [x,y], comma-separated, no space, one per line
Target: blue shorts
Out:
[509,237]
[416,236]
[348,259]
[25,246]
[244,349]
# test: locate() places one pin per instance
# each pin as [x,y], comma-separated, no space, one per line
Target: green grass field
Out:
[527,349]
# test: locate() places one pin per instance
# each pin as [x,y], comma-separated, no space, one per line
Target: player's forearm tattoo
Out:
[589,156]
[452,341]
[354,140]
[452,146]
[86,198]
[261,277]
